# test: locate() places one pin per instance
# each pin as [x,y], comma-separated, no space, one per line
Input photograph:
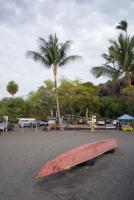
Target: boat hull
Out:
[76,156]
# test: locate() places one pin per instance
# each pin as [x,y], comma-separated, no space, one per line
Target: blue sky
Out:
[88,23]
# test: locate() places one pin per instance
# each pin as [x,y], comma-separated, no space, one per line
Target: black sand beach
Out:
[23,154]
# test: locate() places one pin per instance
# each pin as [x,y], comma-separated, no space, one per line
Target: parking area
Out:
[23,154]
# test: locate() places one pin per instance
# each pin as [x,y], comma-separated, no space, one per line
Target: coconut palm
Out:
[12,88]
[119,60]
[110,68]
[53,54]
[125,50]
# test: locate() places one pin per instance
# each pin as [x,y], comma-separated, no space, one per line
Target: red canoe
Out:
[76,156]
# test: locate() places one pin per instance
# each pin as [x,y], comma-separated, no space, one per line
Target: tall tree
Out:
[12,88]
[53,54]
[14,108]
[119,60]
[42,101]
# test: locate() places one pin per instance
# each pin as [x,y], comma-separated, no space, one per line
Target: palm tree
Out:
[53,54]
[119,60]
[12,88]
[110,68]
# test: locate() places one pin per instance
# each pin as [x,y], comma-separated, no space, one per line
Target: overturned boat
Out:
[77,156]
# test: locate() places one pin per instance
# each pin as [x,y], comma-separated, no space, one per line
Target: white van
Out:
[26,122]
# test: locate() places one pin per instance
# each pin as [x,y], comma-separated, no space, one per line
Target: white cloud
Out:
[89,24]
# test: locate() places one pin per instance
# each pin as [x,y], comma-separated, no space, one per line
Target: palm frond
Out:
[36,56]
[42,42]
[107,71]
[51,52]
[64,47]
[114,43]
[69,59]
[122,25]
[131,45]
[52,40]
[106,57]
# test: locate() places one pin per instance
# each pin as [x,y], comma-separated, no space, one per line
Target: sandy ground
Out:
[23,154]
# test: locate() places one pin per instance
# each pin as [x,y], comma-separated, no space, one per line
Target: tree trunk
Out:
[57,98]
[128,79]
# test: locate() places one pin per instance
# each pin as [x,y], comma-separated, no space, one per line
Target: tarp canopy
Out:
[125,117]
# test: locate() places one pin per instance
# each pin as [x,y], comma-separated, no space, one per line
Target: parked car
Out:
[108,121]
[110,126]
[39,123]
[42,123]
[101,122]
[52,120]
[26,122]
[9,126]
[115,122]
[89,121]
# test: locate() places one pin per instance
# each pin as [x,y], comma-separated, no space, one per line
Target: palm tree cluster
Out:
[53,54]
[120,57]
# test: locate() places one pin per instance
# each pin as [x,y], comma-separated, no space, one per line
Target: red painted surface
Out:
[76,156]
